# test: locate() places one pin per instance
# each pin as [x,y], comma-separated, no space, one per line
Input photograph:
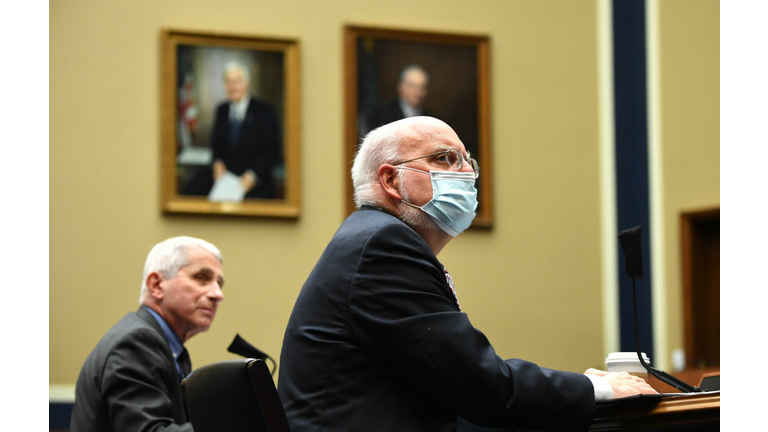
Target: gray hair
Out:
[236,65]
[411,67]
[170,255]
[380,146]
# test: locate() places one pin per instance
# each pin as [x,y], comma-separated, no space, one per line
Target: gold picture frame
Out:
[255,144]
[374,58]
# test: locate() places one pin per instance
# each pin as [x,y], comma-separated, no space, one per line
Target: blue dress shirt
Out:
[174,342]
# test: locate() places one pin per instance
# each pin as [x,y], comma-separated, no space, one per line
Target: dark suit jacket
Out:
[388,113]
[376,342]
[129,382]
[258,147]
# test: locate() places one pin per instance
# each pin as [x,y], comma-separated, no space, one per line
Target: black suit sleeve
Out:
[402,310]
[220,132]
[267,152]
[136,385]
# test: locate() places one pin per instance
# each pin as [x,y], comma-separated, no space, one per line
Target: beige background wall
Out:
[690,131]
[532,284]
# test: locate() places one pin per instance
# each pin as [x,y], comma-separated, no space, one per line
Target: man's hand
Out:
[623,384]
[248,180]
[218,169]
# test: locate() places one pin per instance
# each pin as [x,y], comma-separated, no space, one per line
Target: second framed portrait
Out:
[392,74]
[230,124]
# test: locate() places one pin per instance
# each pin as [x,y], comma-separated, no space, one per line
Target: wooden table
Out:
[668,412]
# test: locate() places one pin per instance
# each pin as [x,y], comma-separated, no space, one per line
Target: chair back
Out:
[234,396]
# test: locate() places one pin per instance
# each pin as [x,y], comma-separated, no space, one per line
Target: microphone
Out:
[241,347]
[630,243]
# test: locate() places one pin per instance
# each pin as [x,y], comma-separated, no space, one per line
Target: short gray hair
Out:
[410,67]
[170,255]
[380,146]
[237,65]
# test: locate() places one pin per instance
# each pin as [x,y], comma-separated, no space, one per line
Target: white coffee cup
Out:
[627,362]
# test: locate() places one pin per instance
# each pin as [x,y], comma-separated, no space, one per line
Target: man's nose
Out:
[466,167]
[216,293]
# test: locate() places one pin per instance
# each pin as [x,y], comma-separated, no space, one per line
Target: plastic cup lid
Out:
[626,356]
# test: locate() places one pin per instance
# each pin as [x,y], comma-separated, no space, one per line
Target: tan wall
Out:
[690,130]
[532,284]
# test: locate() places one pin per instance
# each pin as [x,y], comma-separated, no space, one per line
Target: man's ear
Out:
[154,288]
[390,181]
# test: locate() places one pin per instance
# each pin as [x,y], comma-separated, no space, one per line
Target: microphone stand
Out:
[661,375]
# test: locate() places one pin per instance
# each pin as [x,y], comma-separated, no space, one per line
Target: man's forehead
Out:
[429,139]
[234,73]
[415,75]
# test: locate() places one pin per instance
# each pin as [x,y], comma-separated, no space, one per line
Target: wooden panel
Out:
[700,412]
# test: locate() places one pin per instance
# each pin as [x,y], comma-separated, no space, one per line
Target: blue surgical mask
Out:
[454,200]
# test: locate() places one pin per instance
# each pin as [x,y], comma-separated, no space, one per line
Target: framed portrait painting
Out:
[230,124]
[391,74]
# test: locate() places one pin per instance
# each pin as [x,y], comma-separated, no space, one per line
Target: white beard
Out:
[413,217]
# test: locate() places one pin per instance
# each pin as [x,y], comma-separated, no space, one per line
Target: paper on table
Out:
[227,188]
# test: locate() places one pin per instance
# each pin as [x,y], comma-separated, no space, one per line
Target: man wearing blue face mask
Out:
[377,340]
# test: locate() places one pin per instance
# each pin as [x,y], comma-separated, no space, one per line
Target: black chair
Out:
[234,396]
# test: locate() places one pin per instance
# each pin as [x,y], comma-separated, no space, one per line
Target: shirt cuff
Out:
[603,390]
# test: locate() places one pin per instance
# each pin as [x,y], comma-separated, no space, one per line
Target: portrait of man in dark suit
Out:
[246,137]
[229,122]
[230,125]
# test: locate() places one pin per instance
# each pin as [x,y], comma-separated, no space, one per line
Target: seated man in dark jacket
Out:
[131,381]
[377,340]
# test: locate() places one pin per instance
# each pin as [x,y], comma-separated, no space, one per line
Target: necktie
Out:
[449,279]
[185,362]
[234,132]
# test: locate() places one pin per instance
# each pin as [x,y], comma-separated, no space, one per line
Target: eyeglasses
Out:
[450,157]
